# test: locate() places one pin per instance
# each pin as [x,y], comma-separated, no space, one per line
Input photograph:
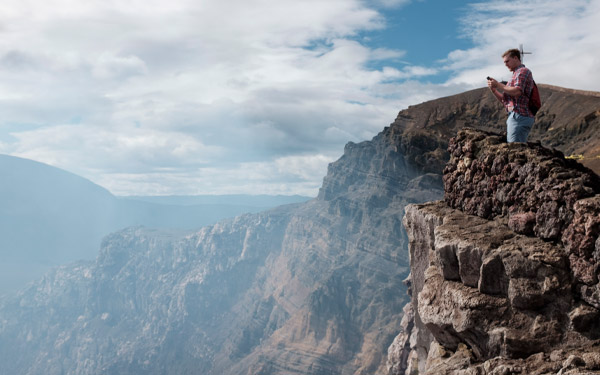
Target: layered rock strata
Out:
[504,272]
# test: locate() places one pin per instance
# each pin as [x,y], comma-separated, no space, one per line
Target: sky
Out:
[186,97]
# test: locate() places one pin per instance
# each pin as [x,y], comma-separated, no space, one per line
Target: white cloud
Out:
[137,91]
[287,175]
[563,36]
[392,3]
[131,149]
[385,54]
[155,97]
[111,66]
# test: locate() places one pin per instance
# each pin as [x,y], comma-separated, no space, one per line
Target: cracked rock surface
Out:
[504,271]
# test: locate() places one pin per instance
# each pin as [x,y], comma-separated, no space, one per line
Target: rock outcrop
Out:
[504,271]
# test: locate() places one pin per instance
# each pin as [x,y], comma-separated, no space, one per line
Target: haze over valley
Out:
[50,217]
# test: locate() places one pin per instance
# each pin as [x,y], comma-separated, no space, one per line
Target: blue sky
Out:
[253,96]
[427,30]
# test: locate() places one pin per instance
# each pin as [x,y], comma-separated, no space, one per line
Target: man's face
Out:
[511,62]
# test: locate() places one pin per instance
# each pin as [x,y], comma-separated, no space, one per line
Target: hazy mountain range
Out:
[50,217]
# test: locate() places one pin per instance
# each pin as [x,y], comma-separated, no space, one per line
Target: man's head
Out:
[512,59]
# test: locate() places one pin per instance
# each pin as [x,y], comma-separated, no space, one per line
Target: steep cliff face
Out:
[504,271]
[315,288]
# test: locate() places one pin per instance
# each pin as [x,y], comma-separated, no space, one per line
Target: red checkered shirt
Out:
[523,79]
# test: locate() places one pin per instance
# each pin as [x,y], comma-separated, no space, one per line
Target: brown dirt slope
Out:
[568,121]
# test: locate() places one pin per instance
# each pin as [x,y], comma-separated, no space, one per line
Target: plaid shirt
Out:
[523,79]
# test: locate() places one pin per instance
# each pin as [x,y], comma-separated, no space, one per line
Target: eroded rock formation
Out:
[504,271]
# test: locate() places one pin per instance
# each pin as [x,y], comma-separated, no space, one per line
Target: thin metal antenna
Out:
[523,52]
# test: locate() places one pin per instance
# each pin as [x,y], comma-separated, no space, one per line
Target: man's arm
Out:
[512,91]
[492,84]
[515,91]
[520,77]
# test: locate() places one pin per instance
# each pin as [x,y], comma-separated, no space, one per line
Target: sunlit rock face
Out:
[313,288]
[490,293]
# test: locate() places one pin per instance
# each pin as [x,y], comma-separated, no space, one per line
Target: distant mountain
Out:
[50,217]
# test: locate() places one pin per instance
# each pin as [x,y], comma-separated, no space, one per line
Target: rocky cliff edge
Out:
[504,271]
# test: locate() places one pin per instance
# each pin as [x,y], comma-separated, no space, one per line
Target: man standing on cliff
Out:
[515,97]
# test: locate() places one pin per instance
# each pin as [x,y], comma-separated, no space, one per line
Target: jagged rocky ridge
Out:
[314,288]
[504,271]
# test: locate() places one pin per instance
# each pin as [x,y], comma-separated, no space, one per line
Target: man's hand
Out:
[493,85]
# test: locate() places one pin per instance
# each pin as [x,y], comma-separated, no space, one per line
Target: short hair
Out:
[513,52]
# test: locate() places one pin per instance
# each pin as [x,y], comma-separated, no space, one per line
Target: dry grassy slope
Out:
[568,121]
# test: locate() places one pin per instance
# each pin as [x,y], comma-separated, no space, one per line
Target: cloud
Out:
[287,175]
[146,96]
[186,97]
[391,3]
[131,149]
[111,66]
[563,39]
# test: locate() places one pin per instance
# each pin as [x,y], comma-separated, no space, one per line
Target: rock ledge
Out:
[504,270]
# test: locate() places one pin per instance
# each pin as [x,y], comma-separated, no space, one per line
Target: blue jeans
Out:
[518,127]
